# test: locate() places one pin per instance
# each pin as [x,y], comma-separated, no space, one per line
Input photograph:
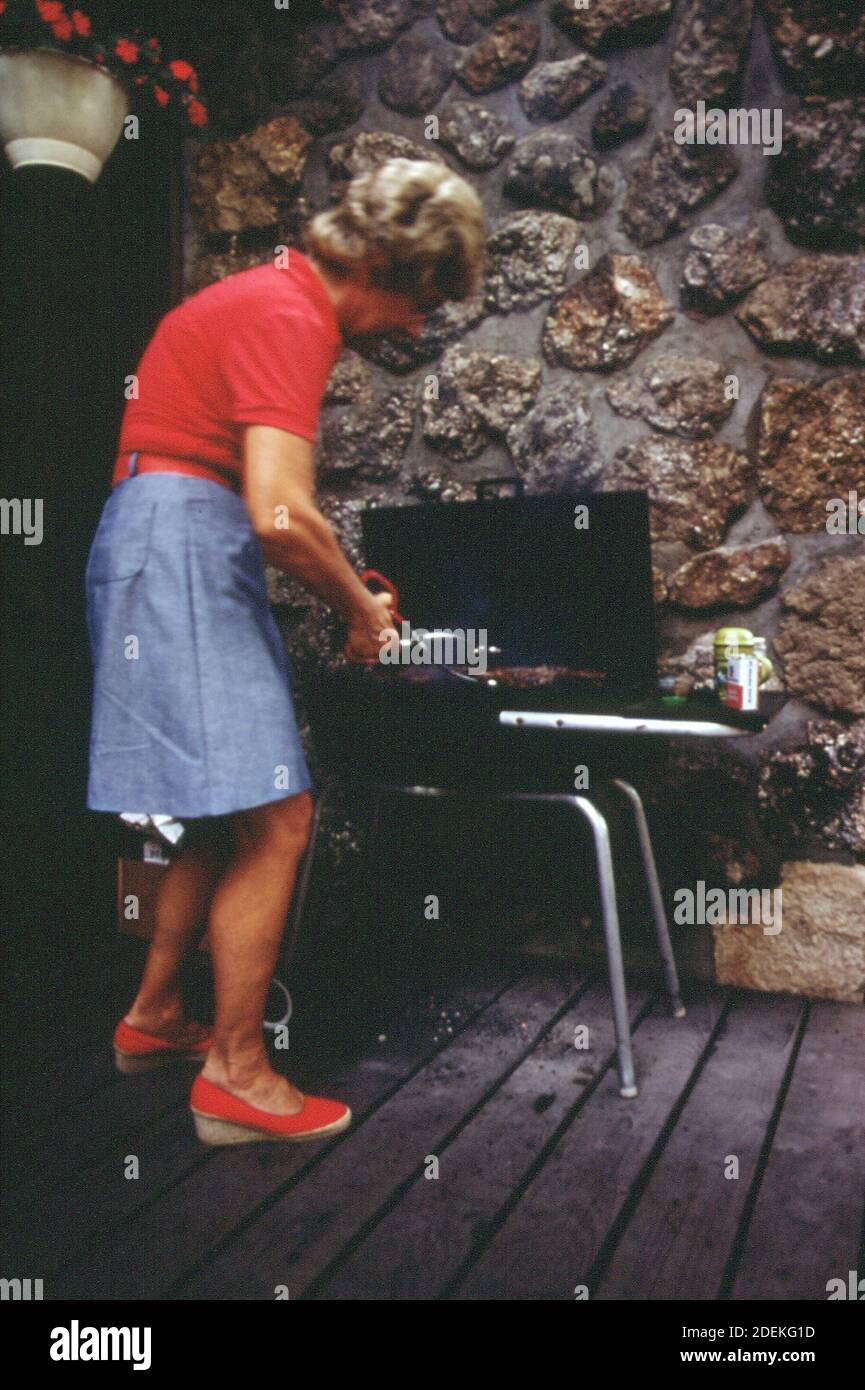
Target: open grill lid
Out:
[560,584]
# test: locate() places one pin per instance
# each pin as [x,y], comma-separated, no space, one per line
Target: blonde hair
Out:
[415,226]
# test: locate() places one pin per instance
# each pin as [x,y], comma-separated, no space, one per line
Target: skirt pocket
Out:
[122,542]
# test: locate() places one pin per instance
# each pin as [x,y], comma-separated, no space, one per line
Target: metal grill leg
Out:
[662,930]
[612,937]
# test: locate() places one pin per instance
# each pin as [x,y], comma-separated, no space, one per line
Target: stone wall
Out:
[688,318]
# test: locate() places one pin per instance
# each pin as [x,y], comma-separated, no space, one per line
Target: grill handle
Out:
[485,484]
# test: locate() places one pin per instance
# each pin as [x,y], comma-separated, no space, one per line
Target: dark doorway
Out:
[86,271]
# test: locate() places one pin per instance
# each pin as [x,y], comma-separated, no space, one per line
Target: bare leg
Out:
[181,910]
[247,920]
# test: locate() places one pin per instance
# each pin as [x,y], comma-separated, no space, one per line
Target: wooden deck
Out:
[546,1178]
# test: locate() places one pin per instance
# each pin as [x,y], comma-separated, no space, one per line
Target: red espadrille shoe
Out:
[135,1051]
[221,1118]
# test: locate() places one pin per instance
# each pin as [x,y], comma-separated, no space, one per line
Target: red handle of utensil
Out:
[387,585]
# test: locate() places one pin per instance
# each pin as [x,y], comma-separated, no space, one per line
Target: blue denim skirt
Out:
[192,708]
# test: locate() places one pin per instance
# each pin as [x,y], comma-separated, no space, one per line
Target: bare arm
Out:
[279,491]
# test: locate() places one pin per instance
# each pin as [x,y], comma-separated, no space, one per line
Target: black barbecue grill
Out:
[553,596]
[567,621]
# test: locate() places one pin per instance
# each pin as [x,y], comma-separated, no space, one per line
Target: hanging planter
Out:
[65,92]
[61,110]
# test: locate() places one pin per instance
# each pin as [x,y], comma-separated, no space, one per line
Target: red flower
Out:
[184,72]
[2,6]
[127,52]
[50,10]
[99,57]
[160,94]
[81,23]
[62,29]
[197,113]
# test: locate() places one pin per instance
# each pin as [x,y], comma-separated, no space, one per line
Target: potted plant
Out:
[65,91]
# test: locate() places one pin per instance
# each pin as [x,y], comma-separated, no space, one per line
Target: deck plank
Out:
[88,1206]
[298,1237]
[195,1196]
[690,1211]
[419,1245]
[807,1221]
[26,1127]
[551,1238]
[61,1177]
[547,1178]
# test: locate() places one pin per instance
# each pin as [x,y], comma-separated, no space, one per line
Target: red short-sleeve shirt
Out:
[254,349]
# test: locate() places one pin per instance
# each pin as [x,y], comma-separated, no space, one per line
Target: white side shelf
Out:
[617,724]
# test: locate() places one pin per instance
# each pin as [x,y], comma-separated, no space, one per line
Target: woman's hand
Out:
[369,628]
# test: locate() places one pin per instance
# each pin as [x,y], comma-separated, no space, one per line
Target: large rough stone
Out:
[821,43]
[506,52]
[623,113]
[820,949]
[336,102]
[820,641]
[414,75]
[431,484]
[370,24]
[480,394]
[479,137]
[527,259]
[350,382]
[401,353]
[670,183]
[554,446]
[295,65]
[602,24]
[551,90]
[676,394]
[811,447]
[815,306]
[695,489]
[458,23]
[721,266]
[369,150]
[243,183]
[730,577]
[370,441]
[709,50]
[816,184]
[607,318]
[453,428]
[554,169]
[463,20]
[815,791]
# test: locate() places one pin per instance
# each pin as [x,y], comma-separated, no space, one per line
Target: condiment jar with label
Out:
[738,644]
